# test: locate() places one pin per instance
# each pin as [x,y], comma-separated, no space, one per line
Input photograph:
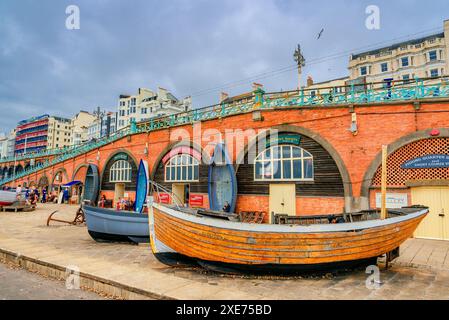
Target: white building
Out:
[102,126]
[80,124]
[148,104]
[3,145]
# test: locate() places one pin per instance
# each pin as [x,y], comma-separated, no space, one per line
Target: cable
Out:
[292,67]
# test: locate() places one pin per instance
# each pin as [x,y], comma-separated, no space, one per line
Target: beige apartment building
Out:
[59,132]
[80,125]
[425,57]
[147,104]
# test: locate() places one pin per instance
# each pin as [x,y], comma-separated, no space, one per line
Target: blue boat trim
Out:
[220,153]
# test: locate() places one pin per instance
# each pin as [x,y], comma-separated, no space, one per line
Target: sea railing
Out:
[354,94]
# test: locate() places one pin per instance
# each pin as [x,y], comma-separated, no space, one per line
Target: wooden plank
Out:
[383,210]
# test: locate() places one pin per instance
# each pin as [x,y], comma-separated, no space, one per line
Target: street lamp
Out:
[301,62]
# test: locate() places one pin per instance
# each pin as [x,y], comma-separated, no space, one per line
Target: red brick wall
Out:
[377,125]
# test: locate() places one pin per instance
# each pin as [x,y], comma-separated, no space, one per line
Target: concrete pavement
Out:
[131,271]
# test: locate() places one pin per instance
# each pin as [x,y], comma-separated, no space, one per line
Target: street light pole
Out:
[301,62]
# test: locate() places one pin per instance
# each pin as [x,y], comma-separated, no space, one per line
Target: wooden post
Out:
[383,210]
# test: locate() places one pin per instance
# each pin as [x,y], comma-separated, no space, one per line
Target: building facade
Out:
[79,127]
[59,132]
[32,134]
[102,126]
[425,57]
[148,104]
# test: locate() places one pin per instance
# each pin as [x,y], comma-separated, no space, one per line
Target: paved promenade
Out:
[131,271]
[18,284]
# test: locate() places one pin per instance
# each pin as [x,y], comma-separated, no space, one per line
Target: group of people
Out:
[124,204]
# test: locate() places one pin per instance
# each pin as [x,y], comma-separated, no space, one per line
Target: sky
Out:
[192,48]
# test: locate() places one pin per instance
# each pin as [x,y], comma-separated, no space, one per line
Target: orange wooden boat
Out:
[221,244]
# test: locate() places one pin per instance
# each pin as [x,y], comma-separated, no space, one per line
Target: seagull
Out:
[319,34]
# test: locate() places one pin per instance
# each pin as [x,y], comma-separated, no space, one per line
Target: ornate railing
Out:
[400,90]
[259,100]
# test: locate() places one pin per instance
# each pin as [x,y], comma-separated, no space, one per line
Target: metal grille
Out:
[396,176]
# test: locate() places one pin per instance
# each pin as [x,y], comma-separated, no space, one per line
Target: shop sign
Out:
[428,161]
[164,198]
[283,138]
[196,200]
[120,156]
[393,200]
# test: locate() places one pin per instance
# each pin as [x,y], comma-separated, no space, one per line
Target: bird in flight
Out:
[319,34]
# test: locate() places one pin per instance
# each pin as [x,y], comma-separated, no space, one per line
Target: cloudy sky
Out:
[191,47]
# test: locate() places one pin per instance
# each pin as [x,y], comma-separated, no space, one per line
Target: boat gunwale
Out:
[277,228]
[106,212]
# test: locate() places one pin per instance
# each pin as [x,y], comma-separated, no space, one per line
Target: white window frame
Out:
[304,155]
[120,171]
[177,163]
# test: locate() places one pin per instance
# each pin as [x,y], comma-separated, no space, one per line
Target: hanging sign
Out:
[283,138]
[196,200]
[428,161]
[121,156]
[393,200]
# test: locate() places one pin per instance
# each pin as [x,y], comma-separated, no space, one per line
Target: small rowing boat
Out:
[113,225]
[224,245]
[7,197]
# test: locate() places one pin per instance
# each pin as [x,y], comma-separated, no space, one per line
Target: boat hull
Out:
[7,198]
[277,247]
[111,225]
[222,183]
[91,184]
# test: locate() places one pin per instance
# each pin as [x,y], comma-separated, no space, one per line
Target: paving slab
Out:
[131,271]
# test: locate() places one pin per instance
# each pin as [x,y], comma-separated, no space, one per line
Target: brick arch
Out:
[80,172]
[344,173]
[43,181]
[183,143]
[64,174]
[108,164]
[392,149]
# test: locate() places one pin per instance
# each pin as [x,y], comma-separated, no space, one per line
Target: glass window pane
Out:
[167,173]
[173,174]
[308,169]
[190,173]
[267,154]
[296,152]
[267,170]
[195,172]
[306,154]
[277,169]
[286,152]
[184,173]
[258,168]
[297,169]
[276,152]
[287,167]
[178,173]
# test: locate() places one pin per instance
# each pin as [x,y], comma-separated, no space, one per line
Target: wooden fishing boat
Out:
[222,184]
[91,184]
[221,244]
[7,197]
[142,186]
[112,225]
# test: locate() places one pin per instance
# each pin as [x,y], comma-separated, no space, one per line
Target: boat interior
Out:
[349,217]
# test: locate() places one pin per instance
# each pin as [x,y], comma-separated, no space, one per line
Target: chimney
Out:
[223,96]
[309,81]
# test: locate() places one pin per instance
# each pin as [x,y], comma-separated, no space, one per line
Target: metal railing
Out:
[356,94]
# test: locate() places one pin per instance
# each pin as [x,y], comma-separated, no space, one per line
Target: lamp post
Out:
[301,62]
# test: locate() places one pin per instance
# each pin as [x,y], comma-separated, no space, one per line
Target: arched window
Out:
[284,163]
[120,171]
[182,168]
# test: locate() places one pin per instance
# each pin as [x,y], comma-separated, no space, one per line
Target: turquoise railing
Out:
[345,95]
